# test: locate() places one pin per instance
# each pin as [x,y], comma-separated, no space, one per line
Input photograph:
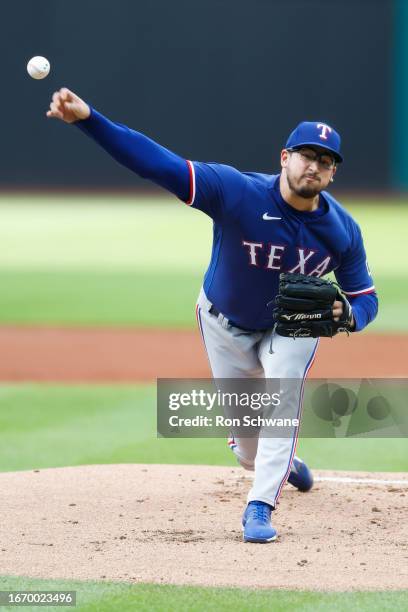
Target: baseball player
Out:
[264,225]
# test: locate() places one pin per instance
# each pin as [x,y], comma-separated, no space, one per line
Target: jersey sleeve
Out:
[353,273]
[139,153]
[365,308]
[355,280]
[216,189]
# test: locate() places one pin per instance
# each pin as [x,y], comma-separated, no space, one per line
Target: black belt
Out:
[214,311]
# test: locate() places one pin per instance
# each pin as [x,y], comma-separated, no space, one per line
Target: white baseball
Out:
[38,67]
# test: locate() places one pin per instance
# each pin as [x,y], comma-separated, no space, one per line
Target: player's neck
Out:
[291,198]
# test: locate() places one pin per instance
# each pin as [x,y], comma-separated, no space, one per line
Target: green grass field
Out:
[126,262]
[105,597]
[72,261]
[52,426]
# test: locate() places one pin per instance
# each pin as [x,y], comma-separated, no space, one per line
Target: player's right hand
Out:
[68,107]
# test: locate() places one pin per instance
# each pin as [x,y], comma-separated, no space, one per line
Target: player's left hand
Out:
[337,311]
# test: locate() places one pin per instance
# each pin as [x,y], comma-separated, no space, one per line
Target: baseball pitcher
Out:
[264,303]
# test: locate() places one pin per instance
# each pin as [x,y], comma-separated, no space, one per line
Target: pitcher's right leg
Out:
[232,353]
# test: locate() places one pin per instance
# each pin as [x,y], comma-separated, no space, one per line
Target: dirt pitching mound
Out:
[181,525]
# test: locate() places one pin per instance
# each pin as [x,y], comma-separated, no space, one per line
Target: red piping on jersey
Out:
[191,173]
[362,292]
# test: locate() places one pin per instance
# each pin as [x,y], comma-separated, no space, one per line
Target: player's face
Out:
[308,170]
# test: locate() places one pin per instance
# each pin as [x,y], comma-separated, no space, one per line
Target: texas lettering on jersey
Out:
[272,254]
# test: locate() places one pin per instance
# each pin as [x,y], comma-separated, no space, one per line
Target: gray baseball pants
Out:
[235,353]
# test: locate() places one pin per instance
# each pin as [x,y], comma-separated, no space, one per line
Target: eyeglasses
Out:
[309,156]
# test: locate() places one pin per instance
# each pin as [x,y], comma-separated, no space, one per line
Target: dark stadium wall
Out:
[221,80]
[398,162]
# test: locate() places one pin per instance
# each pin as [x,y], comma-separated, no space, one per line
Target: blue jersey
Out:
[257,235]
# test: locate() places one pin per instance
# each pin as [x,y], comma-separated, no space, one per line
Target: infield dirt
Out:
[181,525]
[129,355]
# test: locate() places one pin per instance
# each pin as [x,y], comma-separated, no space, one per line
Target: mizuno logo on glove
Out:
[301,316]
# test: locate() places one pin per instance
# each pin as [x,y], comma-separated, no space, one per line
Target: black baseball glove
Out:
[304,307]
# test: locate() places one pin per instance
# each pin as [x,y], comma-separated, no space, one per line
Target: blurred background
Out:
[87,246]
[215,80]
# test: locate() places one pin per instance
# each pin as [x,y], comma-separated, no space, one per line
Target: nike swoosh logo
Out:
[266,217]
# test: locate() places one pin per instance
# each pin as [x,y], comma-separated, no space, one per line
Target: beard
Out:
[304,192]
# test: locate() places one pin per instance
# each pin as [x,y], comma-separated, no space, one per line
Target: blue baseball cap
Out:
[318,134]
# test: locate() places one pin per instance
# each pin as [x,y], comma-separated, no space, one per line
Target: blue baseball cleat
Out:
[300,476]
[257,523]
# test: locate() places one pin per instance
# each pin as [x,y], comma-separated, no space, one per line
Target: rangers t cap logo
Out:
[316,133]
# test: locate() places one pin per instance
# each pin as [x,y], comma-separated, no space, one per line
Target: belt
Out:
[214,311]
